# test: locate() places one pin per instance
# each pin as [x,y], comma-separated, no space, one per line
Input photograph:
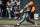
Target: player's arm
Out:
[26,7]
[11,6]
[33,9]
[21,11]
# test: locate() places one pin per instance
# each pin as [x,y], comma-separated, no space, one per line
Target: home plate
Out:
[6,25]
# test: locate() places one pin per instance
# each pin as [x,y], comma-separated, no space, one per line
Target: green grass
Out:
[15,22]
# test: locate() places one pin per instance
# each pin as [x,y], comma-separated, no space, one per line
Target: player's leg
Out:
[28,20]
[9,12]
[23,18]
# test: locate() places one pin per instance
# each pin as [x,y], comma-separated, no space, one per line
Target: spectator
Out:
[9,8]
[18,10]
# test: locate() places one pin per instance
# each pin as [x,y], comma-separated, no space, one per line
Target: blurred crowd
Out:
[13,9]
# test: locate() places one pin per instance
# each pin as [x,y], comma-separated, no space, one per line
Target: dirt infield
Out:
[4,25]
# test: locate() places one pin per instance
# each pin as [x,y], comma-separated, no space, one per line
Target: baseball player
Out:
[27,9]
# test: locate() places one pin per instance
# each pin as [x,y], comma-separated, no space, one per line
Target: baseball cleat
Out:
[17,25]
